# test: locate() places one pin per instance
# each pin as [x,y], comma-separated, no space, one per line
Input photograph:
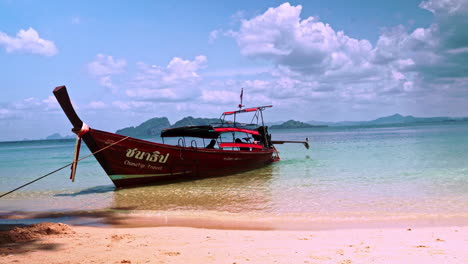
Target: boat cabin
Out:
[228,134]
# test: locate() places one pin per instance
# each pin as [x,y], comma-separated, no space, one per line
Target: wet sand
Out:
[59,243]
[129,218]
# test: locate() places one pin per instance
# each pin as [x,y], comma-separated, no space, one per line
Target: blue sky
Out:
[127,61]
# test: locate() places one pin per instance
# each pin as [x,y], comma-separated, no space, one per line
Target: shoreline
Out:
[231,221]
[84,244]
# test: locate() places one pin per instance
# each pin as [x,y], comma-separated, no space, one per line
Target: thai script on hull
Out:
[156,156]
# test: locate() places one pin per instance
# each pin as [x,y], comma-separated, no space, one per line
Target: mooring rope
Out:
[61,168]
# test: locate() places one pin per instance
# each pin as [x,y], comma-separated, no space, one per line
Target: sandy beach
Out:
[60,243]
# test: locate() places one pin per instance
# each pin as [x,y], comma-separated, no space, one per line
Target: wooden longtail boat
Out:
[130,161]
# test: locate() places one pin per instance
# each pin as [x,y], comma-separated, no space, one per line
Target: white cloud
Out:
[106,65]
[244,71]
[308,46]
[131,105]
[444,6]
[155,94]
[34,103]
[106,81]
[220,97]
[28,41]
[51,103]
[458,50]
[398,75]
[28,106]
[103,67]
[229,97]
[97,105]
[313,60]
[451,20]
[178,71]
[397,44]
[213,36]
[5,113]
[176,81]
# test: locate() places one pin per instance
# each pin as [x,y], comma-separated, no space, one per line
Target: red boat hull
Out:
[138,162]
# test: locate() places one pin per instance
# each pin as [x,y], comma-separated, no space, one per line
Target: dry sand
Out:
[59,243]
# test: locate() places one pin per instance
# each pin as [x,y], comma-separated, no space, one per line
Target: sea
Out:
[349,174]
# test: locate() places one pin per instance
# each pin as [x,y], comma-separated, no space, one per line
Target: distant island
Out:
[148,128]
[154,126]
[191,121]
[294,124]
[58,136]
[395,119]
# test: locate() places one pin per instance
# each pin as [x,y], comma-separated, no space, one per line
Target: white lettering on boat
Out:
[134,164]
[154,167]
[156,156]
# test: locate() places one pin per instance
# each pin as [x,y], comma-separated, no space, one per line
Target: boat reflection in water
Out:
[244,192]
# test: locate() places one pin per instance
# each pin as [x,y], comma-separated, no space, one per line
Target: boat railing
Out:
[191,143]
[181,142]
[237,124]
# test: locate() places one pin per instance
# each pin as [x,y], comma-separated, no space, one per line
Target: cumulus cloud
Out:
[96,105]
[244,71]
[131,105]
[5,114]
[313,60]
[159,94]
[27,106]
[397,44]
[451,18]
[34,103]
[306,45]
[445,7]
[220,97]
[103,67]
[307,63]
[178,71]
[28,41]
[213,36]
[176,81]
[106,65]
[227,95]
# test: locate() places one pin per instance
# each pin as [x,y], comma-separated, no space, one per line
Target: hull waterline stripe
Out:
[136,176]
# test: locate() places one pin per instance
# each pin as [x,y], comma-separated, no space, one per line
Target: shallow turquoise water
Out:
[380,171]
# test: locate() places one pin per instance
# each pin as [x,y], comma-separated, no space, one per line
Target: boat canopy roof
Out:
[190,131]
[213,131]
[203,131]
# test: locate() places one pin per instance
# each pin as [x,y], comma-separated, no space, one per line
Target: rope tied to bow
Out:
[79,134]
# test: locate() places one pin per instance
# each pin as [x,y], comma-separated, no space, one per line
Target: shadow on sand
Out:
[21,240]
[105,217]
[92,190]
[25,247]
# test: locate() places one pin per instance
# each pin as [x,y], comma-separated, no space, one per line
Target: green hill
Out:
[191,121]
[293,124]
[148,128]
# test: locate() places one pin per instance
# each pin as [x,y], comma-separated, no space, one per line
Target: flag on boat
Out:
[241,95]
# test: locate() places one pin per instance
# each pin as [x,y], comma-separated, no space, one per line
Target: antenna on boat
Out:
[241,95]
